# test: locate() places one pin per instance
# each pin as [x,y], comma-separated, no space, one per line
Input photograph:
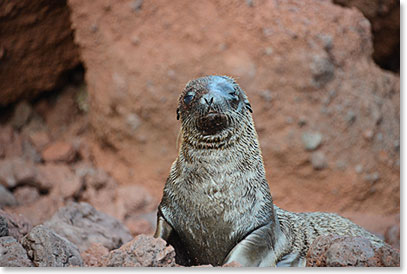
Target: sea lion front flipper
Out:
[292,260]
[261,247]
[163,229]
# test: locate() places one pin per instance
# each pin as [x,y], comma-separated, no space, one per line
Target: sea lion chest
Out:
[213,206]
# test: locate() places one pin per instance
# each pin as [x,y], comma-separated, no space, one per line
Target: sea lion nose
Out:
[212,98]
[207,99]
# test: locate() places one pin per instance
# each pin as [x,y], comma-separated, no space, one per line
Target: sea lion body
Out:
[217,207]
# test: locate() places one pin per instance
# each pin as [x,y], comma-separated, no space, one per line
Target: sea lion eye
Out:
[188,98]
[234,94]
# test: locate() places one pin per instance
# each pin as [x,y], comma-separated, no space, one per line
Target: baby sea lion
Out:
[217,207]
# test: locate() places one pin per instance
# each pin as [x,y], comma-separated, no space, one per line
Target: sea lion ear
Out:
[248,106]
[177,113]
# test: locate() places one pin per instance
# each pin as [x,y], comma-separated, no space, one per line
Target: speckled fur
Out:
[216,197]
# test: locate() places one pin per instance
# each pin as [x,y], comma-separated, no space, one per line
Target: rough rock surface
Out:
[36,47]
[46,248]
[142,251]
[392,236]
[340,251]
[6,197]
[3,226]
[95,255]
[384,16]
[313,59]
[12,254]
[60,178]
[17,171]
[59,152]
[17,225]
[26,195]
[83,225]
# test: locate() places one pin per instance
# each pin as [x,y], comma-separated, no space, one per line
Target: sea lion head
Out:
[212,105]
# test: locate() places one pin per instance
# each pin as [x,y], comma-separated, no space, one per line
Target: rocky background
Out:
[88,92]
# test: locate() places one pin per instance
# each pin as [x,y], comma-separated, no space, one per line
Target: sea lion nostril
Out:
[209,102]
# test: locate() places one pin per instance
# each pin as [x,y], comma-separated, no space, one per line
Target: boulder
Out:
[345,251]
[95,255]
[144,251]
[26,195]
[37,46]
[46,248]
[59,177]
[392,236]
[6,198]
[59,152]
[83,225]
[384,15]
[17,225]
[3,226]
[12,254]
[16,171]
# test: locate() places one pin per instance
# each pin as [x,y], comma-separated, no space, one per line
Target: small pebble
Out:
[302,121]
[133,121]
[268,51]
[289,120]
[136,5]
[311,140]
[359,169]
[266,95]
[368,134]
[22,113]
[350,117]
[372,177]
[318,160]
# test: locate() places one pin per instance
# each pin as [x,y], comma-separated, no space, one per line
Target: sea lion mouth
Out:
[212,123]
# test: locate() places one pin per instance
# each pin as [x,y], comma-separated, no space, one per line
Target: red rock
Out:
[46,248]
[18,225]
[39,139]
[14,148]
[325,72]
[6,137]
[7,178]
[59,152]
[384,16]
[34,57]
[40,210]
[144,251]
[22,113]
[17,171]
[24,172]
[26,194]
[59,177]
[6,197]
[345,251]
[100,189]
[83,225]
[95,255]
[392,236]
[6,134]
[12,253]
